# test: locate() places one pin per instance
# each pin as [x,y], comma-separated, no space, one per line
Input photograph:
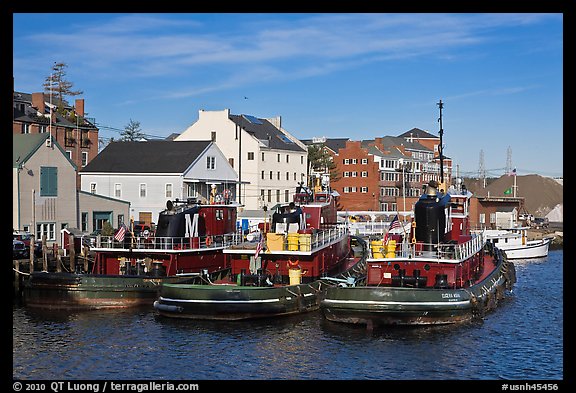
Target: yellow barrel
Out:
[295,276]
[376,246]
[391,249]
[274,241]
[305,240]
[293,242]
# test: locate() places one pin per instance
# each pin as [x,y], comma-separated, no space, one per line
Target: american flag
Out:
[259,247]
[121,233]
[394,224]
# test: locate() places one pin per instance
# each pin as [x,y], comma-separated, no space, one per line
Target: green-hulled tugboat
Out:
[438,273]
[286,272]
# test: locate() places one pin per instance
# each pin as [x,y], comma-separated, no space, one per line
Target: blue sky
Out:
[337,75]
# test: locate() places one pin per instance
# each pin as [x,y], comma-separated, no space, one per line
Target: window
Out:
[354,161]
[42,129]
[269,196]
[294,176]
[346,174]
[364,190]
[48,181]
[117,190]
[231,162]
[278,157]
[250,156]
[120,220]
[277,195]
[46,228]
[278,175]
[93,188]
[262,175]
[168,192]
[286,195]
[69,154]
[210,163]
[142,190]
[270,178]
[346,161]
[84,158]
[364,173]
[287,175]
[25,128]
[84,222]
[262,195]
[262,156]
[354,174]
[287,158]
[364,161]
[301,159]
[213,136]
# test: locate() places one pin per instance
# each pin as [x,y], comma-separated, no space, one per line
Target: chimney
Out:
[38,102]
[79,107]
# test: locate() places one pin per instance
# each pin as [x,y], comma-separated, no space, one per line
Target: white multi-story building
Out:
[270,162]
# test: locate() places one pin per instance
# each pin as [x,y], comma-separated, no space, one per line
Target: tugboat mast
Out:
[440,147]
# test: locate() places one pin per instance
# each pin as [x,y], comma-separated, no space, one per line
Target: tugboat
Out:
[127,270]
[302,252]
[437,273]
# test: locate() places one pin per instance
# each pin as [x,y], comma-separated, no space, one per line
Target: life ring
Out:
[293,264]
[208,240]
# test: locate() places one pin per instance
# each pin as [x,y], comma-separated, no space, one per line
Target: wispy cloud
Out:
[157,45]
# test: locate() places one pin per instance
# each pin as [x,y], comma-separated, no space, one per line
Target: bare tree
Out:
[58,86]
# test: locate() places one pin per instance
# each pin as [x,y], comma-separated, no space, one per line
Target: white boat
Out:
[516,244]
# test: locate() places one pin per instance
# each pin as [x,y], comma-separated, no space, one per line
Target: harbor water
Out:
[521,340]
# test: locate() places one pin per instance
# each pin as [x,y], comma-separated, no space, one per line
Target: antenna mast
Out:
[440,147]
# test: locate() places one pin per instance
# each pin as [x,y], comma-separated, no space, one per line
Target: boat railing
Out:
[444,251]
[161,243]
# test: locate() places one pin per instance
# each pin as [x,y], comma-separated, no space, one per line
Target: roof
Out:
[25,145]
[30,114]
[266,132]
[393,141]
[155,156]
[418,133]
[333,144]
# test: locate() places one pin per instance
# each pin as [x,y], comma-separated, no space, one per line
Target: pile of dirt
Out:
[542,195]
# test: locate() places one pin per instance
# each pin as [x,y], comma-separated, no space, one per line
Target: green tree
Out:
[107,229]
[319,160]
[132,131]
[57,85]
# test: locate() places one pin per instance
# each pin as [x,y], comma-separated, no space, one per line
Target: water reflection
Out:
[521,339]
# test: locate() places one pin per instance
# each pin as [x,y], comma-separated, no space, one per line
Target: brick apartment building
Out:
[76,133]
[380,174]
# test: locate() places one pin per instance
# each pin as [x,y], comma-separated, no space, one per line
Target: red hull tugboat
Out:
[283,273]
[439,273]
[189,239]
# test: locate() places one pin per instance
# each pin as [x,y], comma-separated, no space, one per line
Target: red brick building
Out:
[76,133]
[379,174]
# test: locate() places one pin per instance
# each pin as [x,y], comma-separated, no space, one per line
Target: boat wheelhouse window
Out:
[219,214]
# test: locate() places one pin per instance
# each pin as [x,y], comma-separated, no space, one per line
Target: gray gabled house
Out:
[149,173]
